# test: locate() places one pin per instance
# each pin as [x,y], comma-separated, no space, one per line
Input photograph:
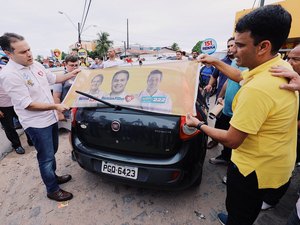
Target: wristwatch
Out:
[200,125]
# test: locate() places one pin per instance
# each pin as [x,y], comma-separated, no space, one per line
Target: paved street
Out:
[23,199]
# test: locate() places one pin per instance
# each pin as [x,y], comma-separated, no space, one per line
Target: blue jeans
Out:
[45,141]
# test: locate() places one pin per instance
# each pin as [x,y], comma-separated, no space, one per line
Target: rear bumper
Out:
[175,173]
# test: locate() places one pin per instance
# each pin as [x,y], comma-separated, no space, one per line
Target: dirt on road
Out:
[96,201]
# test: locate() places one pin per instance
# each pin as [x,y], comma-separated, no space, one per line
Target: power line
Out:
[87,12]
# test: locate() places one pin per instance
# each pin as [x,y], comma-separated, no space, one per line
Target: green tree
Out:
[103,44]
[39,58]
[175,46]
[197,47]
[63,55]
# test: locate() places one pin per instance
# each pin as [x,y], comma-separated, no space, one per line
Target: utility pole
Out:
[262,2]
[124,48]
[127,35]
[79,34]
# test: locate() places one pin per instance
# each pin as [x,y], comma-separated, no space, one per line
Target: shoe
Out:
[224,180]
[265,206]
[218,160]
[212,144]
[20,150]
[222,218]
[63,179]
[60,195]
[297,164]
[29,142]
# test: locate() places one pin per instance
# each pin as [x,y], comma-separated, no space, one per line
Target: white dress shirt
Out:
[25,85]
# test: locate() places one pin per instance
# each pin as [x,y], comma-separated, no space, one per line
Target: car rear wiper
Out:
[118,107]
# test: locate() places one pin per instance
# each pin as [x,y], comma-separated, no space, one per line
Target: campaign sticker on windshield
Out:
[209,46]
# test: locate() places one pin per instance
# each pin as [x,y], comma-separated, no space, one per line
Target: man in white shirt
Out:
[112,61]
[27,84]
[152,99]
[118,94]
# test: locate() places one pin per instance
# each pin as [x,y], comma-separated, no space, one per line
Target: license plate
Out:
[118,170]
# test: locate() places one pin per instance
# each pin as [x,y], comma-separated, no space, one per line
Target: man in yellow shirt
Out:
[263,129]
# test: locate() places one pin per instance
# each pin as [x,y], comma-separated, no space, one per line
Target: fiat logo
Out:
[115,125]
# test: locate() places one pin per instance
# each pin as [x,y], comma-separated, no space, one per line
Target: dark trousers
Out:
[293,218]
[45,141]
[8,125]
[222,122]
[244,198]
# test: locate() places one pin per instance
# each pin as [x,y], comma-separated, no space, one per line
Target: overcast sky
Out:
[151,22]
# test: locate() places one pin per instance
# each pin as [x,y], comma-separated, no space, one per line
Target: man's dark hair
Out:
[271,22]
[7,38]
[121,71]
[71,58]
[230,39]
[155,72]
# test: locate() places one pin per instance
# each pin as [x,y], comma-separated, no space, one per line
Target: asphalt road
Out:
[23,198]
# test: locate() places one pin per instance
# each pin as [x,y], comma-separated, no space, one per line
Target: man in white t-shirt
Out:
[152,99]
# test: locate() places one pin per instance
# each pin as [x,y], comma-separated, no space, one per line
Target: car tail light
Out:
[175,175]
[186,132]
[73,116]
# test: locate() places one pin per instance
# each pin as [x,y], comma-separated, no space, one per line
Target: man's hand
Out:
[207,59]
[75,72]
[191,121]
[208,88]
[294,78]
[61,107]
[1,114]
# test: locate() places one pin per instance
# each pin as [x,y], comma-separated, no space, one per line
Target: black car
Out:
[139,148]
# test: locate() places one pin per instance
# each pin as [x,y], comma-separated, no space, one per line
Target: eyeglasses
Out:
[72,65]
[295,59]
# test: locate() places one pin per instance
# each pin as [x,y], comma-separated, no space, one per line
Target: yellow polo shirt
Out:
[268,115]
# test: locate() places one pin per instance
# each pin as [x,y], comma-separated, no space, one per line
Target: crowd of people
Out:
[259,90]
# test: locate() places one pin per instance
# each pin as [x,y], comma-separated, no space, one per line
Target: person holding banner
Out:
[152,99]
[27,84]
[262,115]
[60,90]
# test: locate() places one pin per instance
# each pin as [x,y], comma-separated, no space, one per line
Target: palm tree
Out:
[103,43]
[175,46]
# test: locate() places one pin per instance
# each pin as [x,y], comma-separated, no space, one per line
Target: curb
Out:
[5,144]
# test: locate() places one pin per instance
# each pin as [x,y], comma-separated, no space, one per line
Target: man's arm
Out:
[39,106]
[56,98]
[63,77]
[211,82]
[231,138]
[223,90]
[231,72]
